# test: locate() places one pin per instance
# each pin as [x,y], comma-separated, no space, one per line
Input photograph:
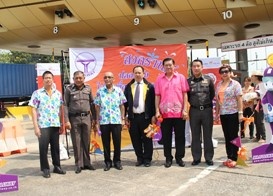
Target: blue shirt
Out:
[109,103]
[48,107]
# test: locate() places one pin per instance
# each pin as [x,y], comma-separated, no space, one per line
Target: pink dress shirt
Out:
[171,94]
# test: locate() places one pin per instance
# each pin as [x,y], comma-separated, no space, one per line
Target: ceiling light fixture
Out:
[263,35]
[252,26]
[59,13]
[34,46]
[170,31]
[67,12]
[220,34]
[100,38]
[141,4]
[149,39]
[152,3]
[197,41]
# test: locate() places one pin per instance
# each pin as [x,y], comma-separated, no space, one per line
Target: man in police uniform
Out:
[79,109]
[200,97]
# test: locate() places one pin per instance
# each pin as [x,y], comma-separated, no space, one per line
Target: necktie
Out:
[136,98]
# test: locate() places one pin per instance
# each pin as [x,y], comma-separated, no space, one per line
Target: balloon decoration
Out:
[242,152]
[153,130]
[95,147]
[247,122]
[242,156]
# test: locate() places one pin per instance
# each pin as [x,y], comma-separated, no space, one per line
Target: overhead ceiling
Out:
[29,25]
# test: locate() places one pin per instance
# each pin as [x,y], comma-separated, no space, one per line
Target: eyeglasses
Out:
[107,77]
[224,72]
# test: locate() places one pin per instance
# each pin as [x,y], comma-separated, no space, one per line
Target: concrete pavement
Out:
[256,179]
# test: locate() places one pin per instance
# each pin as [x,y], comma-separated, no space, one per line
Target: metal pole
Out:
[63,88]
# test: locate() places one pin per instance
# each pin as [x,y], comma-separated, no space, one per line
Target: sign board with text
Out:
[8,183]
[246,44]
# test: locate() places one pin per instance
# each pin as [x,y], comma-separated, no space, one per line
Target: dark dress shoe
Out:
[107,167]
[139,163]
[118,166]
[46,173]
[78,170]
[147,164]
[89,167]
[180,163]
[195,162]
[58,170]
[168,164]
[209,162]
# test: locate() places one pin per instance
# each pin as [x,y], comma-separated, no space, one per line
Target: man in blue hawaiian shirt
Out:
[110,116]
[46,104]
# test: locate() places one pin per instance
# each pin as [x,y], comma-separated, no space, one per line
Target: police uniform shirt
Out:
[77,100]
[201,91]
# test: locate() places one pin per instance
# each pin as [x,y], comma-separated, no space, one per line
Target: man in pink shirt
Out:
[171,103]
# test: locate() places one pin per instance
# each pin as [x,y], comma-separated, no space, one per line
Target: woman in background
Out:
[247,108]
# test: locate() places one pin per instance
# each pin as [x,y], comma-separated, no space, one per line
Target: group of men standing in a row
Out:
[139,105]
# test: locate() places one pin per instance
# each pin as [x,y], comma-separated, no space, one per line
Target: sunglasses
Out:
[224,72]
[107,77]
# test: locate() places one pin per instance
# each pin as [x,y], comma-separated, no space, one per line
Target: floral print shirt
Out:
[48,108]
[229,105]
[109,103]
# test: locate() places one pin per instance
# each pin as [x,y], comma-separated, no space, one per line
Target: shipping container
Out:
[17,81]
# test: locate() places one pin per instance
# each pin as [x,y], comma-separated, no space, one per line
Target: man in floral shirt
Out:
[110,116]
[46,104]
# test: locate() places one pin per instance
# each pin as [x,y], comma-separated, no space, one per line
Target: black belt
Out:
[139,113]
[79,114]
[202,107]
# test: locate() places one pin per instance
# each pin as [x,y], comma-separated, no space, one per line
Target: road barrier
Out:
[12,138]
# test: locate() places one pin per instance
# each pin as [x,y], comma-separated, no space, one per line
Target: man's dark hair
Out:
[137,67]
[47,72]
[168,59]
[78,72]
[197,60]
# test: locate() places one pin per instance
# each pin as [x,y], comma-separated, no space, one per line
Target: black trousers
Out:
[167,127]
[143,145]
[201,120]
[247,113]
[230,126]
[48,136]
[106,131]
[259,124]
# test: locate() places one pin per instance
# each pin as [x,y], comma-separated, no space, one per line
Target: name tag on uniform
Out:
[205,81]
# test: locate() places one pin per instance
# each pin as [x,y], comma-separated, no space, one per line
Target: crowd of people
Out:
[140,104]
